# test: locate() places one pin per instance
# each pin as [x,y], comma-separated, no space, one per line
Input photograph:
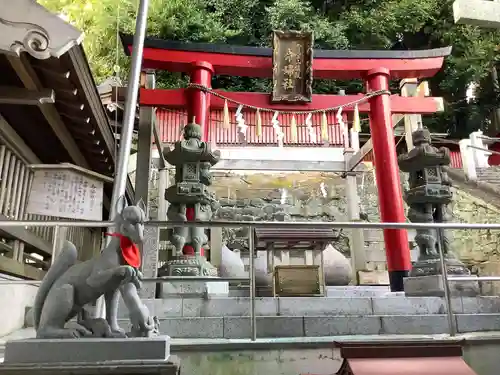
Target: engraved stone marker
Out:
[150,260]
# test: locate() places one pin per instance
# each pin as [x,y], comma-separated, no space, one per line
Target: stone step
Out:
[317,306]
[331,291]
[491,175]
[488,177]
[350,291]
[238,327]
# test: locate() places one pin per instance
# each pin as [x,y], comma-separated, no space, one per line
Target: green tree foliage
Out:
[337,24]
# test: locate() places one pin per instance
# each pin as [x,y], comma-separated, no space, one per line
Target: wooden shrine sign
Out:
[66,191]
[292,66]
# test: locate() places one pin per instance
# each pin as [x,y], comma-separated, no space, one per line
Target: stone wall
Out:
[259,197]
[310,197]
[479,249]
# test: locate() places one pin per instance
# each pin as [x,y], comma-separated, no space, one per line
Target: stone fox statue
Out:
[69,286]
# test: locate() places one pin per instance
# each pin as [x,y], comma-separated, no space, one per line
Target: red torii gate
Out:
[202,61]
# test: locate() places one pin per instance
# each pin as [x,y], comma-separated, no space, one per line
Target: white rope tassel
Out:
[322,188]
[284,195]
[310,129]
[343,126]
[240,123]
[277,128]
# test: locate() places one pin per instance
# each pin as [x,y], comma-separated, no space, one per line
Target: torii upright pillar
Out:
[198,108]
[388,180]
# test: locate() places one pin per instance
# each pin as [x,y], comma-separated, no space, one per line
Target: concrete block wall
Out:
[14,300]
[323,359]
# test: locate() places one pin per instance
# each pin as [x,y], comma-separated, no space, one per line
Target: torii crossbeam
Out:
[376,68]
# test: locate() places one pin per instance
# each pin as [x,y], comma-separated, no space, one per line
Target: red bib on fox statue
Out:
[130,251]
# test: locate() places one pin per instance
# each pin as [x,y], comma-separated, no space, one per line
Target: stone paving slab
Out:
[342,325]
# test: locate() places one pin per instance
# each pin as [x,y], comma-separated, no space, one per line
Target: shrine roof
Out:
[249,61]
[72,127]
[228,49]
[308,238]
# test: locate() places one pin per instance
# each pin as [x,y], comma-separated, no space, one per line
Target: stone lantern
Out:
[428,198]
[190,200]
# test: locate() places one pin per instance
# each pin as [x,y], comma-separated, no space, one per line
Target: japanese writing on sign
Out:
[292,68]
[66,194]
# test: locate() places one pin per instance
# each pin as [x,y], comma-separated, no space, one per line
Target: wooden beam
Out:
[16,144]
[257,61]
[279,165]
[24,235]
[13,267]
[146,126]
[75,168]
[82,71]
[31,81]
[19,96]
[158,143]
[366,148]
[178,99]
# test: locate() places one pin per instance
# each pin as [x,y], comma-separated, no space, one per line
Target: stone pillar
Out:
[468,164]
[57,244]
[356,236]
[143,167]
[163,184]
[216,246]
[409,88]
[149,247]
[149,267]
[480,157]
[388,180]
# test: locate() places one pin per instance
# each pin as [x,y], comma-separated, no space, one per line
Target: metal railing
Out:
[251,246]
